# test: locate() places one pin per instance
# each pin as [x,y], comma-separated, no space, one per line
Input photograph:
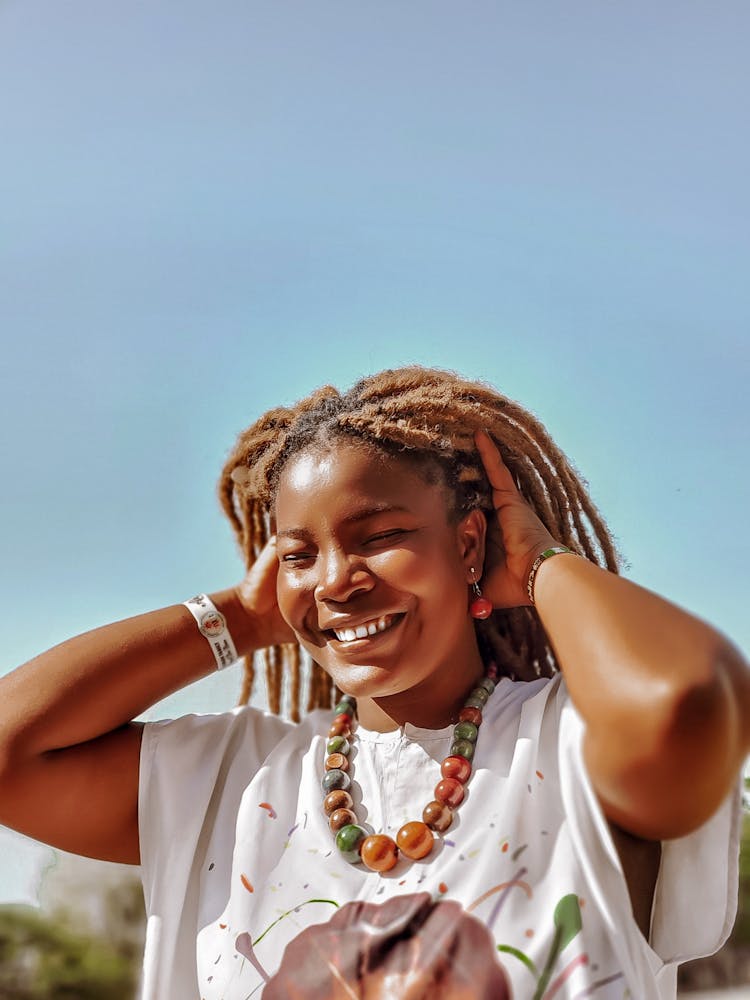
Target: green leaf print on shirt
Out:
[567,922]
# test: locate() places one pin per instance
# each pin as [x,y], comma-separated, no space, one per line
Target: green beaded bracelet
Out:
[556,550]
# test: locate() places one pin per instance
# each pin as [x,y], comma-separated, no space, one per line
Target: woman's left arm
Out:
[665,697]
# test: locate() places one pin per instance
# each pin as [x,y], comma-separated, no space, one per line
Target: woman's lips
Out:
[366,631]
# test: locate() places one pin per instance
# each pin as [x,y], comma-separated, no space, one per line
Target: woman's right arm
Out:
[69,752]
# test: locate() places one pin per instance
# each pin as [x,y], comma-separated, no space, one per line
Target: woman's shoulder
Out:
[247,730]
[516,697]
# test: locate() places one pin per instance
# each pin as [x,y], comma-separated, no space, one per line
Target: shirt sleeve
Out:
[193,771]
[695,900]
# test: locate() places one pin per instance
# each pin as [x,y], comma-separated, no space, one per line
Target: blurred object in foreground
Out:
[729,967]
[86,942]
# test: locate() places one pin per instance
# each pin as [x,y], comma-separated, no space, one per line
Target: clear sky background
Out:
[210,209]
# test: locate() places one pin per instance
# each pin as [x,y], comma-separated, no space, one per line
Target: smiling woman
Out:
[528,787]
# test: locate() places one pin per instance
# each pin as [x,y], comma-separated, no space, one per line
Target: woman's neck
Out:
[424,706]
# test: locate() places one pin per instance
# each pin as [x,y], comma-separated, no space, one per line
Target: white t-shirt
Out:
[247,895]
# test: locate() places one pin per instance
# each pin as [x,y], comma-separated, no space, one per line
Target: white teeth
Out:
[362,631]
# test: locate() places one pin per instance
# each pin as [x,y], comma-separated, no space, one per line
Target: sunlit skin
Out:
[664,698]
[358,539]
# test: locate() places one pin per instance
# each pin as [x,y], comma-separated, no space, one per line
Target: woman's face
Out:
[374,573]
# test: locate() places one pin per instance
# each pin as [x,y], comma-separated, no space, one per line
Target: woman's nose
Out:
[341,576]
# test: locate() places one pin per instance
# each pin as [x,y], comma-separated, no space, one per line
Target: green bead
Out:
[466,731]
[473,702]
[480,692]
[335,779]
[488,684]
[461,748]
[348,841]
[338,744]
[344,707]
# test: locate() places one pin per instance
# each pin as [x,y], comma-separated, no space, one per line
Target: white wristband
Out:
[213,625]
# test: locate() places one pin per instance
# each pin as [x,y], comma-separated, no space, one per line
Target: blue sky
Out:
[210,209]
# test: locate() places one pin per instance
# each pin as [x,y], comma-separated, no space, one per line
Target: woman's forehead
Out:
[348,475]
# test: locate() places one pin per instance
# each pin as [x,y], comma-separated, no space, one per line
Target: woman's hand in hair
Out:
[257,596]
[515,536]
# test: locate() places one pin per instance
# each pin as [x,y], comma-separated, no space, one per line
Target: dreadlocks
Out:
[428,417]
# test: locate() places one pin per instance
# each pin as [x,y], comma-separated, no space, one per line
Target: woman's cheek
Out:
[291,597]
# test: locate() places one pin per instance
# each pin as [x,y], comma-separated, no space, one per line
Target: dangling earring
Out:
[480,607]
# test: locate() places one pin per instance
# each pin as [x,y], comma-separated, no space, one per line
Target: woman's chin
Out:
[362,680]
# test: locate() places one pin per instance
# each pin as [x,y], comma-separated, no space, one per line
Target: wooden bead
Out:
[341,817]
[438,816]
[337,760]
[415,840]
[470,715]
[379,852]
[456,767]
[337,799]
[449,791]
[340,728]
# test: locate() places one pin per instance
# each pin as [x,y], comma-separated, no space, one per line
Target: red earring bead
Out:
[480,608]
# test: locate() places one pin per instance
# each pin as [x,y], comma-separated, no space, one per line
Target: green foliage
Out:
[40,959]
[741,932]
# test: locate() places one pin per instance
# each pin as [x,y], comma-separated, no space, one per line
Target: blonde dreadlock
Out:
[427,416]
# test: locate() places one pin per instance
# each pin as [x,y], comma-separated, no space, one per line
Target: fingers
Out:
[259,584]
[497,471]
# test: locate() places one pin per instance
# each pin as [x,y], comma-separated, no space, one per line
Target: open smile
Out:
[365,632]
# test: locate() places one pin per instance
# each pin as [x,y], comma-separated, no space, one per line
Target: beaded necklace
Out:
[415,839]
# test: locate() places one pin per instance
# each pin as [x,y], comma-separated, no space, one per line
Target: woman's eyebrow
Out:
[372,509]
[355,517]
[299,533]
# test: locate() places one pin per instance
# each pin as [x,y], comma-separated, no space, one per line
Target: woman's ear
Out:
[472,535]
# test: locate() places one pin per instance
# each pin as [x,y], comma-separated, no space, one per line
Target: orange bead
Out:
[340,727]
[337,799]
[450,791]
[341,817]
[456,767]
[437,816]
[379,853]
[415,840]
[470,714]
[337,761]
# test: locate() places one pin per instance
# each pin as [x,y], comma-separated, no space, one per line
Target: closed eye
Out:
[294,557]
[386,535]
